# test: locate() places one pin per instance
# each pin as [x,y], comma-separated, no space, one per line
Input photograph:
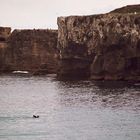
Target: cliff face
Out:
[100,46]
[33,50]
[4,34]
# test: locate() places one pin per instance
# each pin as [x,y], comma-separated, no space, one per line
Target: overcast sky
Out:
[44,13]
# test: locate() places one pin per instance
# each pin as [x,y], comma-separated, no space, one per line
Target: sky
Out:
[42,14]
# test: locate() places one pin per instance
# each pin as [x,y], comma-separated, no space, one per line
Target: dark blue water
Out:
[68,110]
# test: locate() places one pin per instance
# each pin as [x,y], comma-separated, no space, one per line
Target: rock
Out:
[4,34]
[35,116]
[33,50]
[105,46]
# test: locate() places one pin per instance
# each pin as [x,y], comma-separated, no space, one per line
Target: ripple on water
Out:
[68,109]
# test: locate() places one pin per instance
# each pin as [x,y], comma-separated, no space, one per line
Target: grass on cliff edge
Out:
[128,9]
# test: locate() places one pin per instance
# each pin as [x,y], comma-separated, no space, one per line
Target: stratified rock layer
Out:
[33,50]
[103,46]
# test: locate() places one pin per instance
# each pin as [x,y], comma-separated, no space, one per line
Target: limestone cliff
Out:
[33,50]
[4,34]
[103,46]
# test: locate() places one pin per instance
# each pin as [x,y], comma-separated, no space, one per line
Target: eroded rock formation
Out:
[33,50]
[28,50]
[4,34]
[103,46]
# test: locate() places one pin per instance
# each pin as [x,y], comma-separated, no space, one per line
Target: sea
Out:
[68,109]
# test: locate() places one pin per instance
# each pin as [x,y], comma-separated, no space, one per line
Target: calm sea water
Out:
[68,110]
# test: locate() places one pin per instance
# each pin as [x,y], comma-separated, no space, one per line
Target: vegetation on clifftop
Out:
[128,9]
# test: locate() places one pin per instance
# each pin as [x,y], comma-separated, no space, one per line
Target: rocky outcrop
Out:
[103,46]
[28,50]
[4,34]
[33,50]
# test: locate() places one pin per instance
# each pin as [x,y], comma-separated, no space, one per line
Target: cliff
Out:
[28,50]
[103,46]
[4,34]
[33,50]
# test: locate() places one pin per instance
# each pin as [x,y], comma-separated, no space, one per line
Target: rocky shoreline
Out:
[99,47]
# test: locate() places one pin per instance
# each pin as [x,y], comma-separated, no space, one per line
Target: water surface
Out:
[68,110]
